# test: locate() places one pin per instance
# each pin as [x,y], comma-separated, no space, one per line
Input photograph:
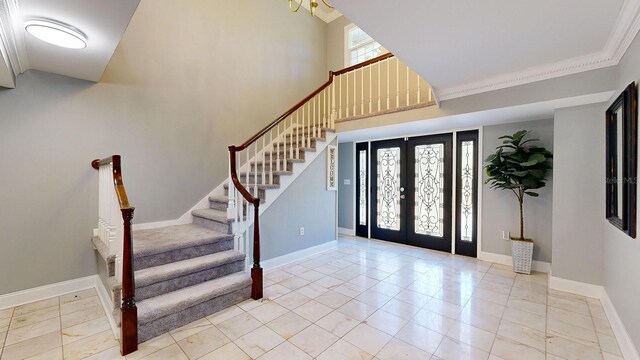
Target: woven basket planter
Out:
[522,254]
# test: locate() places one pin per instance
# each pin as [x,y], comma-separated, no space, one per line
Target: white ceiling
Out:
[102,21]
[468,46]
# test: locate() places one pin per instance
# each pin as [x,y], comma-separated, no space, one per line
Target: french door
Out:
[410,197]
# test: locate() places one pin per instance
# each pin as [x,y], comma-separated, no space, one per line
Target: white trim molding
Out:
[107,306]
[298,255]
[625,29]
[576,287]
[627,347]
[47,291]
[539,266]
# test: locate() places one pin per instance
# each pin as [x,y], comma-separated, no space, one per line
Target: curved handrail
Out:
[118,184]
[128,310]
[256,270]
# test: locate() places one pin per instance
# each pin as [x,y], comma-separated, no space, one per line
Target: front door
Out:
[411,191]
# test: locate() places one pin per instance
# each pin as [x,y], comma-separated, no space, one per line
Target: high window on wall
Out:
[360,46]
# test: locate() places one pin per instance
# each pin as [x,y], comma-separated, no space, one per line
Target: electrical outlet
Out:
[301,231]
[347,181]
[506,235]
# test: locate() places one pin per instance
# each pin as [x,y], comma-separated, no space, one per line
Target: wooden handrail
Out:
[128,310]
[364,64]
[256,270]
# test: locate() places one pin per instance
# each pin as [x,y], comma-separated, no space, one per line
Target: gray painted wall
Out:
[346,192]
[621,253]
[500,207]
[578,193]
[170,106]
[306,203]
[335,43]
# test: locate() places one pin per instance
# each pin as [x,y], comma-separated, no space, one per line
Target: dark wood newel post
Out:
[129,310]
[256,270]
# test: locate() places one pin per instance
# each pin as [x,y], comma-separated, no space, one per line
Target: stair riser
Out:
[182,317]
[320,136]
[274,157]
[145,292]
[218,205]
[224,228]
[182,254]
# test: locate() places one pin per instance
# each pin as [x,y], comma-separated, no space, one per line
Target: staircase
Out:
[186,272]
[163,278]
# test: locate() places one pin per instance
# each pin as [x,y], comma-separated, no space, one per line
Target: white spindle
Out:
[408,94]
[308,130]
[297,129]
[418,92]
[379,88]
[272,156]
[314,130]
[264,164]
[355,94]
[285,144]
[362,92]
[388,84]
[370,86]
[397,83]
[264,155]
[340,99]
[347,80]
[334,115]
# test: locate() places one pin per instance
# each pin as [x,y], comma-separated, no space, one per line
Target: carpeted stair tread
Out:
[177,269]
[175,301]
[161,240]
[211,214]
[219,198]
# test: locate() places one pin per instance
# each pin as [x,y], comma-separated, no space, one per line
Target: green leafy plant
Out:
[519,166]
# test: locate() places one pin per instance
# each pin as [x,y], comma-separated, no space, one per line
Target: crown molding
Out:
[11,39]
[625,30]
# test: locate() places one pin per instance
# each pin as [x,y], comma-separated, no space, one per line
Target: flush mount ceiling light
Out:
[56,33]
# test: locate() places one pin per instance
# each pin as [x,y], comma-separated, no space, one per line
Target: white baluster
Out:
[379,87]
[339,99]
[264,164]
[305,135]
[325,107]
[408,86]
[397,83]
[264,156]
[231,203]
[362,92]
[388,83]
[355,92]
[272,155]
[297,130]
[285,144]
[248,171]
[347,81]
[313,105]
[418,93]
[370,87]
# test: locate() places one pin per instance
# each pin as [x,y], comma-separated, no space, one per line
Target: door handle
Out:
[402,196]
[401,189]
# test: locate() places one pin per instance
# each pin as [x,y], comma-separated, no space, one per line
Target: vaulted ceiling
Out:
[466,47]
[103,22]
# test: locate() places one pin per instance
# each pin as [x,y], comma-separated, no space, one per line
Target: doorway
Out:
[404,191]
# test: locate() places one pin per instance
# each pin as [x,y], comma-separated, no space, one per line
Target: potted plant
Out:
[521,167]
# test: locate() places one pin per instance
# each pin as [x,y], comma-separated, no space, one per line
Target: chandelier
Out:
[313,4]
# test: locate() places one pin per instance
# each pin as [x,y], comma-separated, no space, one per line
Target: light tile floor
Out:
[364,300]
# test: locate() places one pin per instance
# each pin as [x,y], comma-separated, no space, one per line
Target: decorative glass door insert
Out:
[429,191]
[388,182]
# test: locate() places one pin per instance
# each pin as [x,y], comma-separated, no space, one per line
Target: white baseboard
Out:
[107,305]
[627,347]
[576,287]
[298,255]
[47,291]
[345,231]
[539,266]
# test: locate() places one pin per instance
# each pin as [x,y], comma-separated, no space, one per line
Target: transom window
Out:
[360,46]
